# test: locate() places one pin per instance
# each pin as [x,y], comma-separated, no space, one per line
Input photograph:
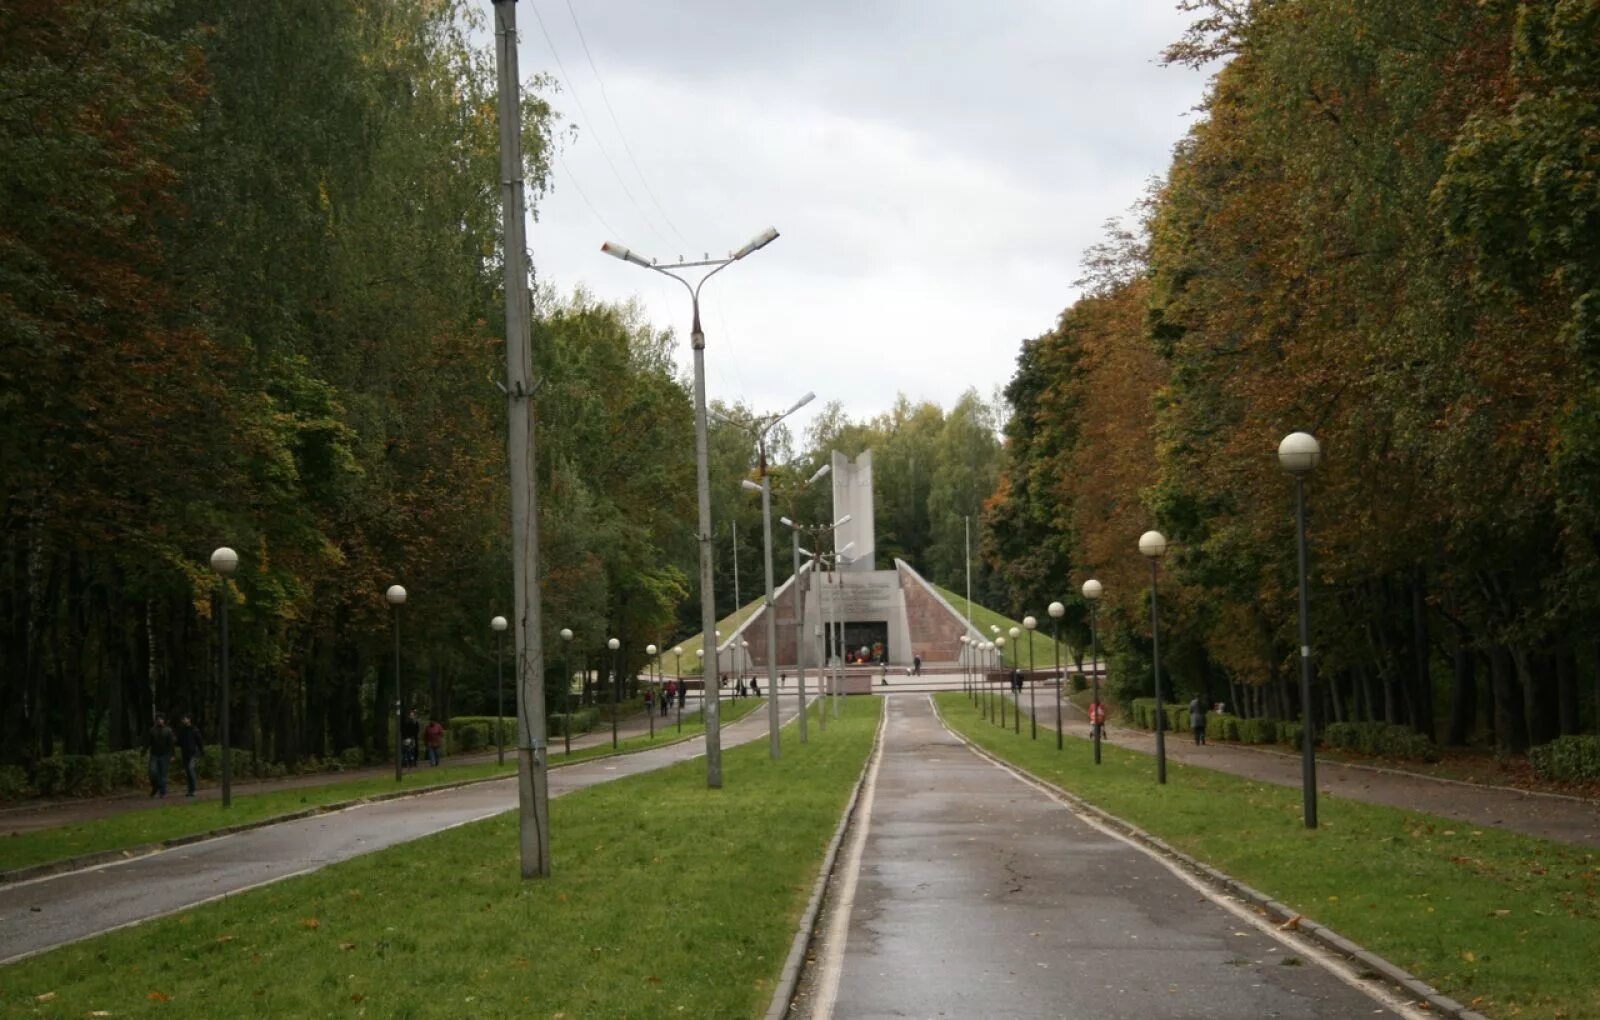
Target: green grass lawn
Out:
[984,618]
[667,900]
[1504,922]
[181,817]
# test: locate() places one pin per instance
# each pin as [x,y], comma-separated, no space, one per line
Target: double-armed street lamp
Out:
[1028,624]
[616,681]
[1057,611]
[1092,590]
[1153,546]
[800,596]
[396,596]
[225,561]
[760,428]
[498,625]
[708,613]
[566,691]
[1298,454]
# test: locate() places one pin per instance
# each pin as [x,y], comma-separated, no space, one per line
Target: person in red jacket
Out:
[433,736]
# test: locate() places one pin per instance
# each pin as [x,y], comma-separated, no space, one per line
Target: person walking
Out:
[755,688]
[410,734]
[916,665]
[683,694]
[189,747]
[160,745]
[1197,720]
[433,736]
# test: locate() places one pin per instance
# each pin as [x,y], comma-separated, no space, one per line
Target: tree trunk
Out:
[1567,691]
[1422,716]
[1463,693]
[1510,729]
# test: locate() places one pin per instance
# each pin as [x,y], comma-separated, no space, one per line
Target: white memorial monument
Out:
[873,618]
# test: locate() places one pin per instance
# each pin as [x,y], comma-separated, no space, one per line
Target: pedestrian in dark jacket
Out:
[410,734]
[190,747]
[1197,720]
[160,744]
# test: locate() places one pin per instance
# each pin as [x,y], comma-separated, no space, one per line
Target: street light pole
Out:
[616,681]
[1298,454]
[677,666]
[1092,590]
[1092,593]
[566,691]
[1057,611]
[1153,545]
[225,561]
[1000,643]
[396,596]
[655,704]
[1028,624]
[708,612]
[498,625]
[1016,664]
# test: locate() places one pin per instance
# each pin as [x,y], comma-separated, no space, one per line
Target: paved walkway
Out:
[1563,819]
[965,891]
[49,912]
[48,814]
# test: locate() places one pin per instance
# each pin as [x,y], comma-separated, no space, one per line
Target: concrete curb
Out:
[789,979]
[1363,959]
[101,857]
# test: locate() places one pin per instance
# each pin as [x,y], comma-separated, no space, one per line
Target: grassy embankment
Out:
[1504,922]
[984,618]
[691,664]
[181,817]
[667,899]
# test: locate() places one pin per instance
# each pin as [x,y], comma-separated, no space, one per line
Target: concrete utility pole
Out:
[533,781]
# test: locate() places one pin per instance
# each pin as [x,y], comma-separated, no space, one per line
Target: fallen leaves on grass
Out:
[310,923]
[159,997]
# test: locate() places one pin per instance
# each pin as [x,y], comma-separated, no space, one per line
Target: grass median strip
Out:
[667,899]
[1503,922]
[179,817]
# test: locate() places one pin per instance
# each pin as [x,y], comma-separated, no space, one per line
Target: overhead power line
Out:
[621,133]
[567,81]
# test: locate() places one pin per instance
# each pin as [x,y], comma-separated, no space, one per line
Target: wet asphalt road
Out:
[49,912]
[980,896]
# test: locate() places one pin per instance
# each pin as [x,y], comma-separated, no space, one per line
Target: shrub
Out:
[13,782]
[1258,731]
[1221,726]
[633,706]
[1290,733]
[1144,715]
[583,720]
[1380,738]
[1569,759]
[352,757]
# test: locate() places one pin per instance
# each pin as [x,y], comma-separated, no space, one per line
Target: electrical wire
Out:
[621,133]
[567,81]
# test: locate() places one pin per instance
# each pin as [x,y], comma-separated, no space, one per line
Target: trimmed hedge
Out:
[94,775]
[1258,731]
[1221,726]
[1567,758]
[1290,732]
[1380,738]
[1144,715]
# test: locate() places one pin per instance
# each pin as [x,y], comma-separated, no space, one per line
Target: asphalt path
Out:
[1563,819]
[53,911]
[965,891]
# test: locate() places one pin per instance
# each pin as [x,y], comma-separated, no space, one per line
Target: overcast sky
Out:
[936,168]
